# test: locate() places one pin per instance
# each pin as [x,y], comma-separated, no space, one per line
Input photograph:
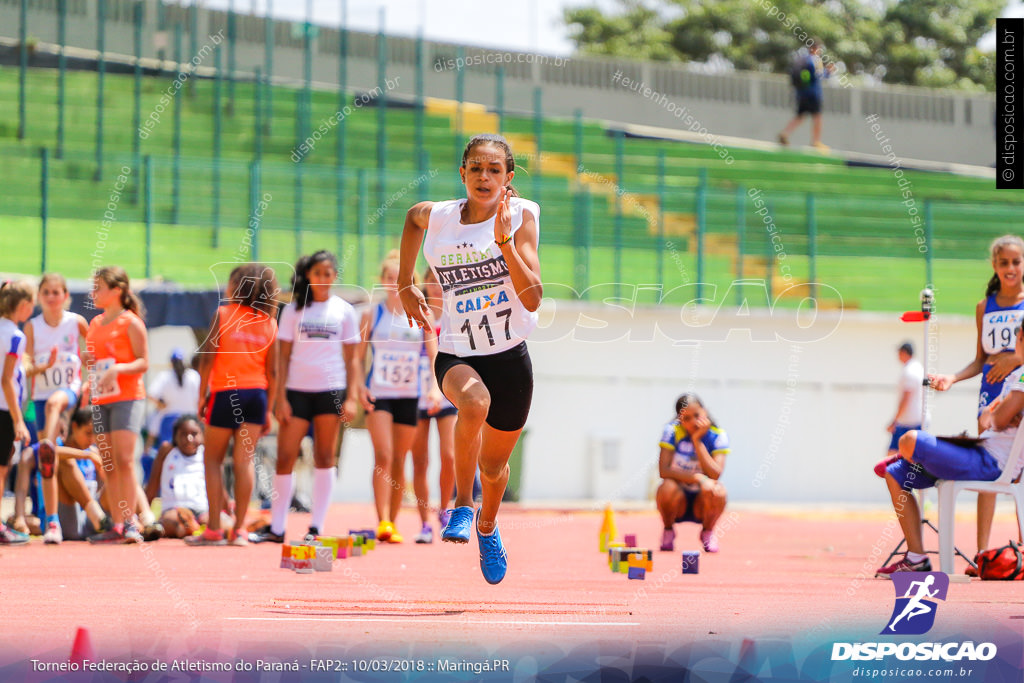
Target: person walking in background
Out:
[807,74]
[909,410]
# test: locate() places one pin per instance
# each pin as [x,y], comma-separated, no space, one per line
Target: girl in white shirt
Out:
[317,338]
[54,340]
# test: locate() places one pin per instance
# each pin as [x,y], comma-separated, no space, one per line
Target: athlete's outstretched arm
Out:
[972,369]
[520,254]
[413,301]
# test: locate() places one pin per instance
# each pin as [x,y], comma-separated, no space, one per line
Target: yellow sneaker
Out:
[384,530]
[395,537]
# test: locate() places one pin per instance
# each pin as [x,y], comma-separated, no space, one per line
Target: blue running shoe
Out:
[458,528]
[493,560]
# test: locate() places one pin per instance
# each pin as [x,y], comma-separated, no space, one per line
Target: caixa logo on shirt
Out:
[481,303]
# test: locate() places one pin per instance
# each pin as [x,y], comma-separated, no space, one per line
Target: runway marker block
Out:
[691,562]
[641,557]
[302,559]
[637,573]
[286,556]
[323,561]
[630,540]
[332,542]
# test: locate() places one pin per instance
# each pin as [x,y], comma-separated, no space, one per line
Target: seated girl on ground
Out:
[179,480]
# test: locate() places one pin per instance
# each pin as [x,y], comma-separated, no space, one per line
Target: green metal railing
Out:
[591,234]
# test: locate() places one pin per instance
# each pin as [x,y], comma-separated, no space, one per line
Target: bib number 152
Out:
[485,326]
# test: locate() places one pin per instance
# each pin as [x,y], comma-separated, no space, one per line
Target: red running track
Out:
[778,575]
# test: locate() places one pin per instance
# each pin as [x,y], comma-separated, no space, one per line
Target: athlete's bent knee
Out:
[474,408]
[668,493]
[907,443]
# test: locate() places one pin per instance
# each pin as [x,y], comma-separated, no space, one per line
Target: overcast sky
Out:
[529,25]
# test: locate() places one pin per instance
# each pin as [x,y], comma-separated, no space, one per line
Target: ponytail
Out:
[993,286]
[130,301]
[115,276]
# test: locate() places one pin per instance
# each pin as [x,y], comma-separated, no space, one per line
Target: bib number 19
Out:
[485,325]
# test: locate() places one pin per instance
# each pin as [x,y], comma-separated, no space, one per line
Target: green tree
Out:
[935,43]
[913,42]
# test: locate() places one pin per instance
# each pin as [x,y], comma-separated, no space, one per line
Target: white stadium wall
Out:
[806,418]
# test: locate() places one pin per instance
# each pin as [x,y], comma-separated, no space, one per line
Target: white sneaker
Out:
[238,538]
[53,536]
[426,535]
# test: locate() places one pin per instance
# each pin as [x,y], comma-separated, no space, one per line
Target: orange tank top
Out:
[244,338]
[110,344]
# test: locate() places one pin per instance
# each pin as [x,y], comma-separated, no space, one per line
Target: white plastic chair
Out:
[948,489]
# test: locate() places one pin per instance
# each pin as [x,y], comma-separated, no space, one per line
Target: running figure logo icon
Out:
[916,593]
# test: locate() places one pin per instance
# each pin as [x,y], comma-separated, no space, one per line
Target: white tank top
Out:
[481,314]
[394,370]
[66,373]
[183,481]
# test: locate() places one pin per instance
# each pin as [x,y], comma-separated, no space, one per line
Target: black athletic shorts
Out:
[808,104]
[231,408]
[6,439]
[308,404]
[403,410]
[444,412]
[508,377]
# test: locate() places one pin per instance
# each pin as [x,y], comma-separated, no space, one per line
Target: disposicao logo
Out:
[916,593]
[914,614]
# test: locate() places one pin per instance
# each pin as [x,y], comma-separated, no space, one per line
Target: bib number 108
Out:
[485,326]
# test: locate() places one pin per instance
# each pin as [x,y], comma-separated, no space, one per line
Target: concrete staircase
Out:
[476,117]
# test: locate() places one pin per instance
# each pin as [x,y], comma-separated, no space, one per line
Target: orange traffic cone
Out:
[608,531]
[82,647]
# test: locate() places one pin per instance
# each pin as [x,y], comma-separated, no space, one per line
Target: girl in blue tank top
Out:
[998,316]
